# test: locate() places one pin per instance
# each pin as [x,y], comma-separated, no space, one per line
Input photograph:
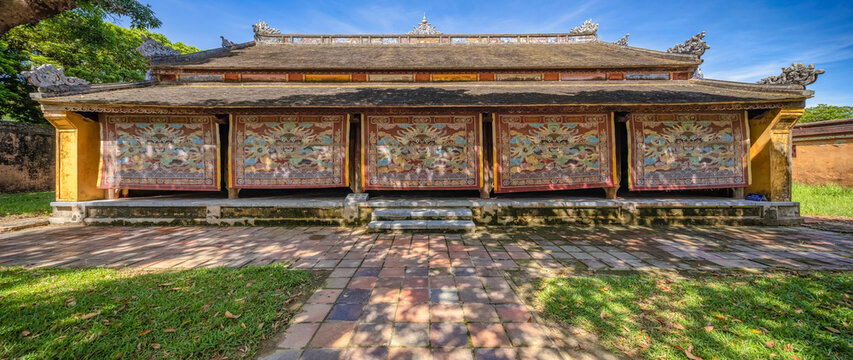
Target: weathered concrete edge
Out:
[24,225]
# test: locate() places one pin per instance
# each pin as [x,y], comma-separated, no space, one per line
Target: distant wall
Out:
[823,153]
[27,160]
[823,162]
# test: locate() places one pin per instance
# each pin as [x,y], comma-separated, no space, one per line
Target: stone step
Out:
[422,214]
[421,226]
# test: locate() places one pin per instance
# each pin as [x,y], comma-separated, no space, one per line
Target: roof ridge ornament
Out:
[587,28]
[692,46]
[623,41]
[262,29]
[151,48]
[796,74]
[424,28]
[50,79]
[226,43]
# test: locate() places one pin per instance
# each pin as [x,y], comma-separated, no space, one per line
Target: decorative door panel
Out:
[553,152]
[427,152]
[688,150]
[159,152]
[289,151]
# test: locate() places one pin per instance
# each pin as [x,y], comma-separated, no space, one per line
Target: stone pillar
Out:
[78,142]
[770,153]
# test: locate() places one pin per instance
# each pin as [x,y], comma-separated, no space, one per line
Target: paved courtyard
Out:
[416,296]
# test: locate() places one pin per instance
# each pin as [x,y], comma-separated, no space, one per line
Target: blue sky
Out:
[749,40]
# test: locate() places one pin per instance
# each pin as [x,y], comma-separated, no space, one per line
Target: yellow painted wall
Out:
[77,156]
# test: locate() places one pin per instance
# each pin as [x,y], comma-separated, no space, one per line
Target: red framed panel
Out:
[422,152]
[539,152]
[289,151]
[169,152]
[677,151]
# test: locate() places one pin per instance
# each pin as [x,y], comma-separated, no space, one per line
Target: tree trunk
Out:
[18,12]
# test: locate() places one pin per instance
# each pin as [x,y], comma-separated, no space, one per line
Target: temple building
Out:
[513,122]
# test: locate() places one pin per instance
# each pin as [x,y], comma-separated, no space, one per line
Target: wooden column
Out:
[486,155]
[78,142]
[770,153]
[618,139]
[355,172]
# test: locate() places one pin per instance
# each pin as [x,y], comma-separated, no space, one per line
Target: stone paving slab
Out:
[416,296]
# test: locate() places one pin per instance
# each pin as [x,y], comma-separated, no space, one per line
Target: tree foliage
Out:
[80,42]
[825,112]
[21,12]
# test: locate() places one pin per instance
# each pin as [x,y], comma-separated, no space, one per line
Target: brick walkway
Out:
[409,296]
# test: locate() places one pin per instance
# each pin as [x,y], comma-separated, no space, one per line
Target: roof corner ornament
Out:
[587,28]
[226,43]
[796,74]
[623,41]
[151,48]
[262,29]
[692,46]
[424,28]
[50,79]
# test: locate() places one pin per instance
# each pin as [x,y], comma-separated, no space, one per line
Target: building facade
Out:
[494,113]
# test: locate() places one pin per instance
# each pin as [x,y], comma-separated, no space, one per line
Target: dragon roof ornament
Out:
[50,79]
[587,28]
[692,46]
[797,73]
[151,48]
[262,29]
[623,41]
[424,28]
[226,43]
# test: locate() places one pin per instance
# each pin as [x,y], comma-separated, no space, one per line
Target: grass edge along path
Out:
[771,316]
[26,204]
[100,313]
[823,200]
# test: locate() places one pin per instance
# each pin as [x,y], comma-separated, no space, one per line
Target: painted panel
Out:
[428,152]
[288,151]
[688,151]
[553,152]
[159,152]
[520,77]
[454,77]
[391,77]
[327,77]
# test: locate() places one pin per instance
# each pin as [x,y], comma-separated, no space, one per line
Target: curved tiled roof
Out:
[437,94]
[385,57]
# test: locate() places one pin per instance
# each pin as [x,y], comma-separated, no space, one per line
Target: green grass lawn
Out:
[779,316]
[103,313]
[27,204]
[826,200]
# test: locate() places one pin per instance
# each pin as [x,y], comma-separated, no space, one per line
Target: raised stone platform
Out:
[357,209]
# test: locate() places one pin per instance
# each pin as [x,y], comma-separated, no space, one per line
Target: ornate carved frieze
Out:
[587,28]
[226,43]
[797,73]
[50,79]
[151,48]
[692,46]
[424,28]
[623,41]
[262,29]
